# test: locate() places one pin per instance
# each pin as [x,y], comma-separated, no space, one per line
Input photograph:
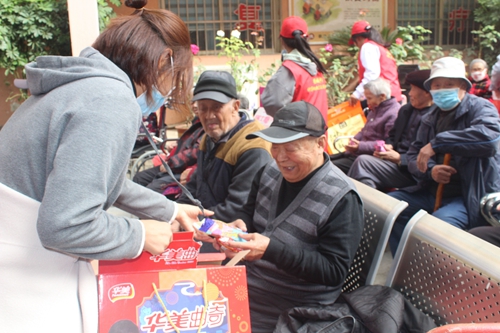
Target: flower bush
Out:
[339,75]
[234,48]
[406,43]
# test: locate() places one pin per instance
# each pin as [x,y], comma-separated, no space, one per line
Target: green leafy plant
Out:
[488,36]
[339,75]
[489,43]
[31,28]
[438,52]
[234,48]
[406,43]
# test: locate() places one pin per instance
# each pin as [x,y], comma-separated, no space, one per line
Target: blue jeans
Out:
[452,211]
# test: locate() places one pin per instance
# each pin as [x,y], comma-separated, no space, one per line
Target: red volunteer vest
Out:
[311,89]
[388,70]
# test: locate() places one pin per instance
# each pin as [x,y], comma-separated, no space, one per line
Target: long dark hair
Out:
[301,44]
[373,35]
[136,43]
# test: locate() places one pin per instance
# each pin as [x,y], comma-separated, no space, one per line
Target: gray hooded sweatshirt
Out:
[281,87]
[68,146]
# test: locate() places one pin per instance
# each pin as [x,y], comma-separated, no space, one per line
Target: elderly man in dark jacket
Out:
[389,169]
[466,127]
[227,162]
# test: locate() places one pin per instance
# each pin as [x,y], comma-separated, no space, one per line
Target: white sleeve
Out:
[370,59]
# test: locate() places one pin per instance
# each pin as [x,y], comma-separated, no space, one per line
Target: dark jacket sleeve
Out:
[338,241]
[368,147]
[421,140]
[247,212]
[479,139]
[399,125]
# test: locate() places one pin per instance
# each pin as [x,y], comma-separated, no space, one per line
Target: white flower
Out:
[235,34]
[220,33]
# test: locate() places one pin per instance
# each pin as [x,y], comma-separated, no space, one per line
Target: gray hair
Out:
[495,75]
[379,87]
[481,61]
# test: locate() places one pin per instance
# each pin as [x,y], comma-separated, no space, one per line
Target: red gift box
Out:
[213,298]
[181,253]
[129,300]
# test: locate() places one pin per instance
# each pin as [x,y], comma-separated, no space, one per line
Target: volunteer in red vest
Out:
[300,78]
[374,61]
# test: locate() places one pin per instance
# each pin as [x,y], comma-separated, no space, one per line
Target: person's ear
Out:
[322,141]
[236,104]
[165,59]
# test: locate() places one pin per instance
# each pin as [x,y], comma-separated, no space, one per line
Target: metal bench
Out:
[447,273]
[380,212]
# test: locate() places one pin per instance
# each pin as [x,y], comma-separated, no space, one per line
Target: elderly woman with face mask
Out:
[304,219]
[379,121]
[478,76]
[468,128]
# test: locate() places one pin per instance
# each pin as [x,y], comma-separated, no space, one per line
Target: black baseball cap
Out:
[292,122]
[219,86]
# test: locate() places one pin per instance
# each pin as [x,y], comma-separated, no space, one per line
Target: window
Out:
[451,21]
[258,21]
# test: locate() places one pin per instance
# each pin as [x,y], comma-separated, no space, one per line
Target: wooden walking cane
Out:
[439,192]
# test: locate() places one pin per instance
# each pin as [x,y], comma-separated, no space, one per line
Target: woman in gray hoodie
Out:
[63,162]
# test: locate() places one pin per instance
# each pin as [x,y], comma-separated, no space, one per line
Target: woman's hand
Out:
[158,236]
[188,214]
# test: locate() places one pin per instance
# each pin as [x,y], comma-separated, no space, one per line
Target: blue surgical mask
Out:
[158,101]
[446,99]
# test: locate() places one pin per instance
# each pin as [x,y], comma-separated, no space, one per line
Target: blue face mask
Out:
[158,101]
[446,99]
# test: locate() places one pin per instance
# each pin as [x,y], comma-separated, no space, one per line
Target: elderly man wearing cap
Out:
[300,78]
[227,162]
[389,169]
[465,127]
[374,60]
[304,219]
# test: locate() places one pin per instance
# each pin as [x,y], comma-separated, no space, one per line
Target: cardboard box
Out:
[343,120]
[129,301]
[181,253]
[213,297]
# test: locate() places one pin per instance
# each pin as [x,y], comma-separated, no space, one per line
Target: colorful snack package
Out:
[221,231]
